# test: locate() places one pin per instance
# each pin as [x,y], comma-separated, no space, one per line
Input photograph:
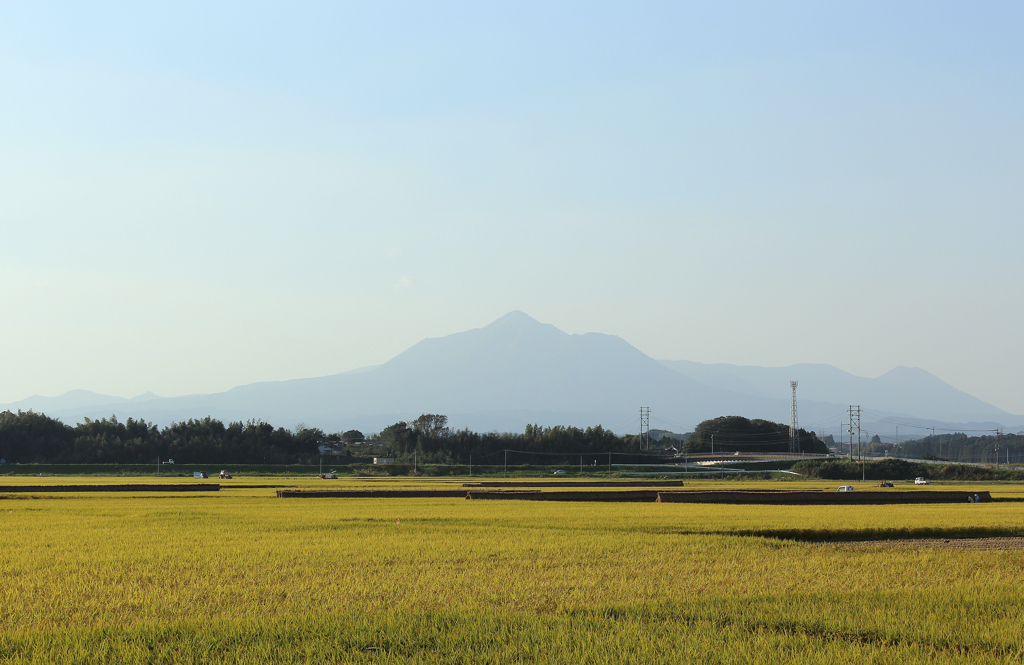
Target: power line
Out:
[675,423]
[894,421]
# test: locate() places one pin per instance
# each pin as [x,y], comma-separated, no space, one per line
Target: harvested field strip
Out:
[579,483]
[821,498]
[191,487]
[370,494]
[255,487]
[643,496]
[740,497]
[634,496]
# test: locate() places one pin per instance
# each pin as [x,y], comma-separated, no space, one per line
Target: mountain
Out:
[517,371]
[908,391]
[73,400]
[512,372]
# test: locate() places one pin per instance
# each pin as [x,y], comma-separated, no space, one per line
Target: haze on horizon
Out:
[199,196]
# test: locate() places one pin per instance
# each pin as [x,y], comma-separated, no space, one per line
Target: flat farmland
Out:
[241,576]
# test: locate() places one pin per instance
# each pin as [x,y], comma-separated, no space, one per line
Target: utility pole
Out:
[609,464]
[935,441]
[471,465]
[506,463]
[645,426]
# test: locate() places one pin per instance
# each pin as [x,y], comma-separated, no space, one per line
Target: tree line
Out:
[429,439]
[958,447]
[28,437]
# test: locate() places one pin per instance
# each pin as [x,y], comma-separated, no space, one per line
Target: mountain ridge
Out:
[517,370]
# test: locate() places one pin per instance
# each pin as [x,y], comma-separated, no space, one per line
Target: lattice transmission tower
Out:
[855,424]
[645,428]
[794,444]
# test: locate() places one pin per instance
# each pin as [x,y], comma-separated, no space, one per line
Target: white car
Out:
[560,473]
[846,488]
[920,481]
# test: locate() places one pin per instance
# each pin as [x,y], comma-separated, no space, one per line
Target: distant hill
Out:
[903,390]
[73,400]
[517,371]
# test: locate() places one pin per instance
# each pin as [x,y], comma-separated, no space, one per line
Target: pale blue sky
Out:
[197,196]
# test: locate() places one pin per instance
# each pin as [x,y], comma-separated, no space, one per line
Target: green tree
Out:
[739,434]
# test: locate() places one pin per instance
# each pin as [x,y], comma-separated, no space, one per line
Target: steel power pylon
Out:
[645,428]
[794,445]
[855,422]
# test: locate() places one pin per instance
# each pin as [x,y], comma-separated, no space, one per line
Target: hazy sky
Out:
[202,195]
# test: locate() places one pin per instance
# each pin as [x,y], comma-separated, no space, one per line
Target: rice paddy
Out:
[241,576]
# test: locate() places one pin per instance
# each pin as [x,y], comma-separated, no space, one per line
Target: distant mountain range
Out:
[517,371]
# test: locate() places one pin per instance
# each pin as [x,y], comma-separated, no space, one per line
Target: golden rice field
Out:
[240,576]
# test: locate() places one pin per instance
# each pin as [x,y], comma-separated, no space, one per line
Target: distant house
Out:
[383,460]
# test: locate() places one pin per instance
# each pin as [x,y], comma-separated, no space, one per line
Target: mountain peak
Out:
[904,374]
[515,325]
[515,317]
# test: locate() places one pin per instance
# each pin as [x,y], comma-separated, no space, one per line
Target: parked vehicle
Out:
[560,472]
[846,488]
[920,481]
[331,475]
[199,474]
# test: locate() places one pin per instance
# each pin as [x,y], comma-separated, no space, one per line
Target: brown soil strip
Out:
[634,496]
[231,486]
[193,487]
[580,483]
[810,497]
[978,544]
[806,497]
[369,494]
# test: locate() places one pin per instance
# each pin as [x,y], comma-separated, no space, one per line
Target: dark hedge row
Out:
[898,469]
[27,437]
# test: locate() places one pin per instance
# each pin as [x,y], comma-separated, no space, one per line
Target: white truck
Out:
[920,480]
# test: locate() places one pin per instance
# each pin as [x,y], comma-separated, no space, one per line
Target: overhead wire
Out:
[879,417]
